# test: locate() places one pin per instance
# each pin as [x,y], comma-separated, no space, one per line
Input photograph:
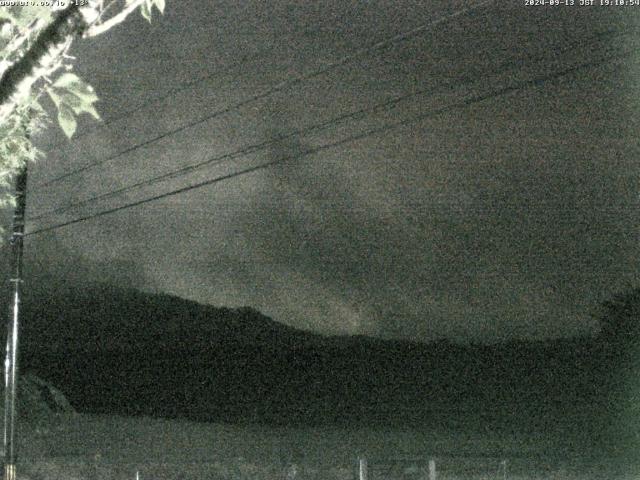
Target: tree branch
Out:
[18,40]
[96,30]
[17,80]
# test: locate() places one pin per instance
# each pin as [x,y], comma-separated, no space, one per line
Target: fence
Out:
[441,467]
[433,468]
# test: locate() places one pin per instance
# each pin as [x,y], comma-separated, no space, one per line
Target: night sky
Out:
[512,216]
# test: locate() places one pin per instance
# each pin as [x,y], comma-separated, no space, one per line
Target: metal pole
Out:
[432,469]
[11,360]
[362,468]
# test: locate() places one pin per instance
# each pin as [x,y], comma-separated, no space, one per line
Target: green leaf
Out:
[28,14]
[76,86]
[91,110]
[79,105]
[159,5]
[66,120]
[55,98]
[66,79]
[6,33]
[145,10]
[71,91]
[73,102]
[37,107]
[5,15]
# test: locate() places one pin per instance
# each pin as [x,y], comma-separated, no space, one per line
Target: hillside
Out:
[127,352]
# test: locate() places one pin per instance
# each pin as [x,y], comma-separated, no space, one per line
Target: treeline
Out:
[128,352]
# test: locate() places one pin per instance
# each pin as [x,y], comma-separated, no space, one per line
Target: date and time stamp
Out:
[582,3]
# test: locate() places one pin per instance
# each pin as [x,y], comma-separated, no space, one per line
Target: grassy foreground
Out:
[86,447]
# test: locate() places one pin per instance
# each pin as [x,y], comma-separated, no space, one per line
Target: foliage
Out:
[619,318]
[24,30]
[15,146]
[72,96]
[619,357]
[147,7]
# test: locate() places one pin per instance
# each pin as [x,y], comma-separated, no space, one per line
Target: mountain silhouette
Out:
[114,350]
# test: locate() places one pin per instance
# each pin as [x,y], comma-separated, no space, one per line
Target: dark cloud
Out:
[513,216]
[51,262]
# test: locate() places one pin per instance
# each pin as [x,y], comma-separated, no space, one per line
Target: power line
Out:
[126,113]
[532,83]
[460,81]
[244,151]
[276,88]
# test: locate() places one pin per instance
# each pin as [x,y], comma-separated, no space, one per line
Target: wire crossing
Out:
[276,88]
[253,148]
[159,98]
[523,85]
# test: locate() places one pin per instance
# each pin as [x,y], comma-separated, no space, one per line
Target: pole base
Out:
[9,472]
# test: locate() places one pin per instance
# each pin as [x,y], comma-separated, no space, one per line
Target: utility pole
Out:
[11,360]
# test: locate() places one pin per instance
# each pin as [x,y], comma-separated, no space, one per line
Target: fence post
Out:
[362,468]
[292,472]
[94,467]
[432,469]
